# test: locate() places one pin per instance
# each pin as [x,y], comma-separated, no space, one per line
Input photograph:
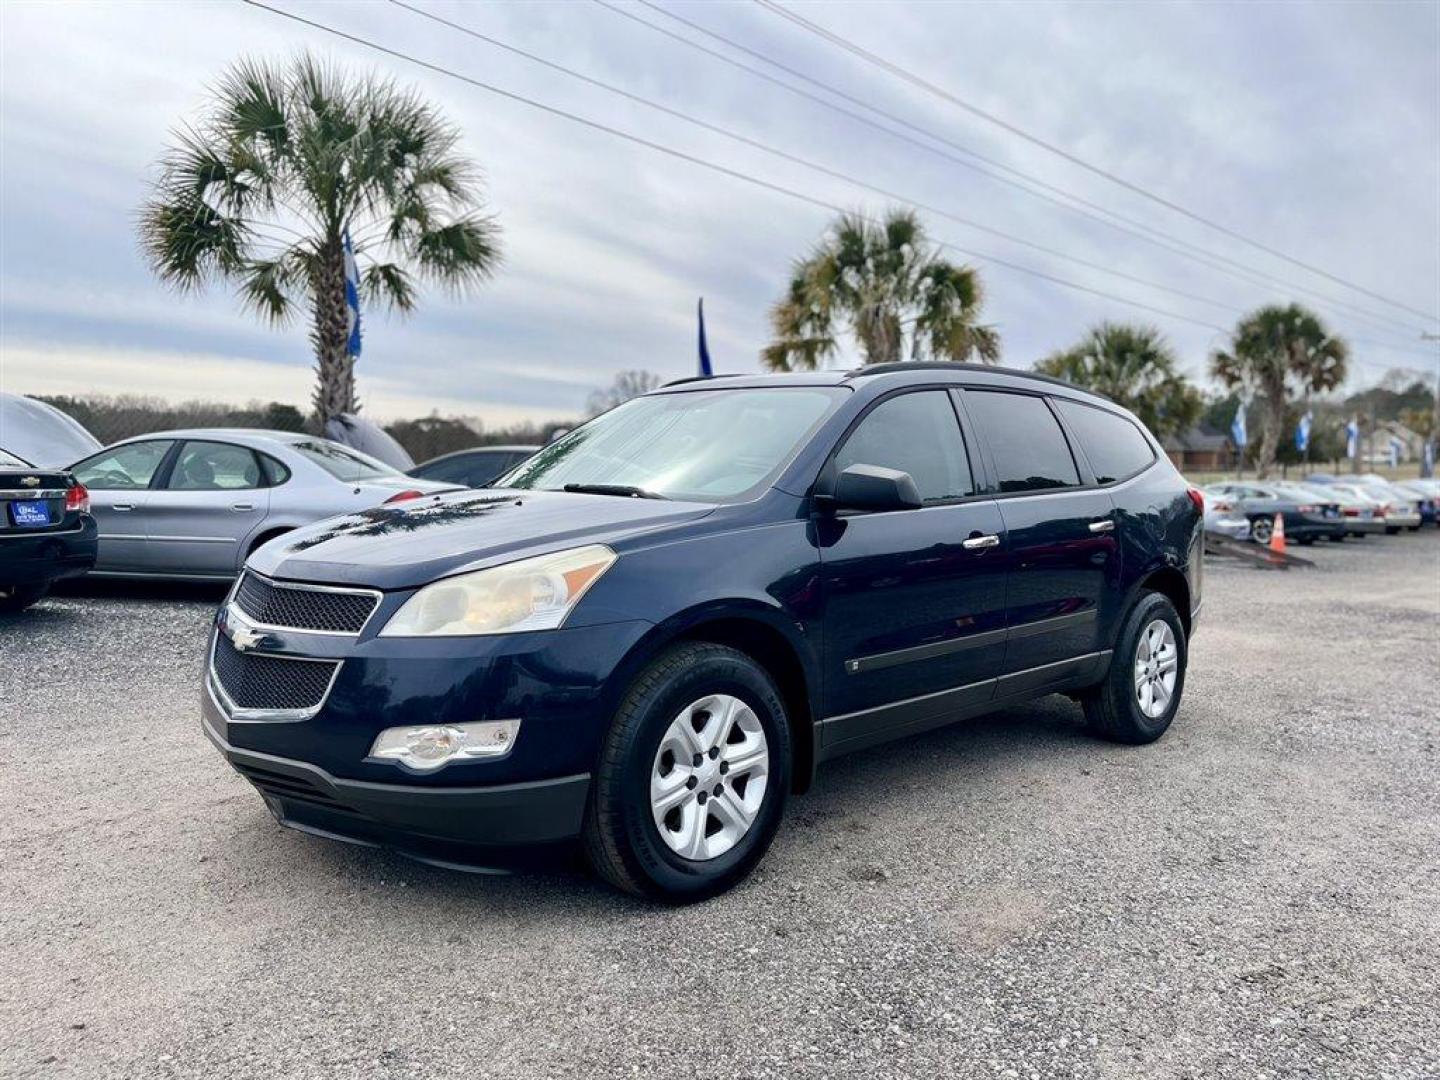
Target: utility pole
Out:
[1435,405]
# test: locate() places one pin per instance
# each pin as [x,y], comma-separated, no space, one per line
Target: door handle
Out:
[242,506]
[1103,526]
[978,543]
[122,507]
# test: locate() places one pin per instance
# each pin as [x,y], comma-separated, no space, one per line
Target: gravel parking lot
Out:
[1256,895]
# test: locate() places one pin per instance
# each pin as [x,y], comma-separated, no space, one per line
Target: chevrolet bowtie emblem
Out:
[30,481]
[242,637]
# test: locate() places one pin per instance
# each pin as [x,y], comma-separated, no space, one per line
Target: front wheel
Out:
[1261,528]
[1140,695]
[692,778]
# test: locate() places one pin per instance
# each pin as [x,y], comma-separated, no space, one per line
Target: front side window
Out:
[916,433]
[1114,446]
[125,468]
[1025,439]
[702,445]
[213,466]
[341,462]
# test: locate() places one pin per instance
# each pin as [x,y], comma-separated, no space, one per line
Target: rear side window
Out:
[213,466]
[276,472]
[1114,446]
[916,433]
[1025,440]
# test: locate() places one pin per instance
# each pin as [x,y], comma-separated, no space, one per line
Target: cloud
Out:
[1328,148]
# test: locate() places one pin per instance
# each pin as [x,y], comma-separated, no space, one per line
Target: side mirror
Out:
[871,487]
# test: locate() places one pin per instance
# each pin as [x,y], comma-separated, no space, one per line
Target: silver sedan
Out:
[194,504]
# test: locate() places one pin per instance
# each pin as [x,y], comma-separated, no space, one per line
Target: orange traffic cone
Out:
[1277,535]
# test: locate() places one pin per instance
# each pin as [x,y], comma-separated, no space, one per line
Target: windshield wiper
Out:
[625,490]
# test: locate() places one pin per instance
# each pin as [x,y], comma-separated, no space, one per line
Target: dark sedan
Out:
[1306,519]
[477,467]
[46,531]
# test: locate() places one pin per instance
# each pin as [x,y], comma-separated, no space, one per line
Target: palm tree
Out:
[892,289]
[1272,351]
[1133,366]
[286,163]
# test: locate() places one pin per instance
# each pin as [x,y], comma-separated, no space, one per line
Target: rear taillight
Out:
[77,499]
[402,496]
[1197,497]
[1350,511]
[1307,509]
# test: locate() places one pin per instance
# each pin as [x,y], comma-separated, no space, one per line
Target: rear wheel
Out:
[20,597]
[1260,529]
[692,778]
[1141,693]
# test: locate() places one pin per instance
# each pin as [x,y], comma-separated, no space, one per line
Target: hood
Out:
[409,544]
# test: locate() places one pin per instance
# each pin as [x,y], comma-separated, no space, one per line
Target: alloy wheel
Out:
[707,784]
[1157,664]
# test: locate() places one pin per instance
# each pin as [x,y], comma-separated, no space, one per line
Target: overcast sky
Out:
[1313,128]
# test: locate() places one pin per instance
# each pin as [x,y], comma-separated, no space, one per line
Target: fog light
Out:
[434,745]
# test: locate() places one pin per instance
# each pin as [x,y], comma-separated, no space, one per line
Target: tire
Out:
[1392,530]
[1338,538]
[622,837]
[1261,528]
[21,597]
[1306,541]
[1112,708]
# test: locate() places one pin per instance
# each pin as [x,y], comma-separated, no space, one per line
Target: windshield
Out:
[343,464]
[706,445]
[7,459]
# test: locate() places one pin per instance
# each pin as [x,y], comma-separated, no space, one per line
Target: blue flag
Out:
[1395,447]
[706,371]
[1302,431]
[1352,438]
[1237,427]
[1427,459]
[352,298]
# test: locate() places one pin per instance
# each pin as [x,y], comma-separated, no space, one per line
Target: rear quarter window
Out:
[1025,440]
[1114,446]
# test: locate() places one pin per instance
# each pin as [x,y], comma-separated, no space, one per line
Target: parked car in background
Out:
[1427,491]
[652,635]
[41,434]
[1306,520]
[1389,508]
[46,531]
[476,467]
[1223,519]
[1357,511]
[193,504]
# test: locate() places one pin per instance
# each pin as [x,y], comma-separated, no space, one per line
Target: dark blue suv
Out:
[649,634]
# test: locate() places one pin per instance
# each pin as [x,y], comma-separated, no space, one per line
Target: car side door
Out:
[119,480]
[914,600]
[1061,533]
[212,497]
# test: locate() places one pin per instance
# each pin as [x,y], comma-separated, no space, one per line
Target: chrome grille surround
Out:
[270,687]
[303,609]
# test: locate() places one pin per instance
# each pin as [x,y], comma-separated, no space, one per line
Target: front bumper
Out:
[450,825]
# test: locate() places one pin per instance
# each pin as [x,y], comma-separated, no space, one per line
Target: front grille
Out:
[256,681]
[295,788]
[295,608]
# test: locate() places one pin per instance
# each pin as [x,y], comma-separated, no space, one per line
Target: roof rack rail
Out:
[953,365]
[703,378]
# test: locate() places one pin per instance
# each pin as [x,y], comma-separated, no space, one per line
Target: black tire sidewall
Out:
[1150,607]
[670,875]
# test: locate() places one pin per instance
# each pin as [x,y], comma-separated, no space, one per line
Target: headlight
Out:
[532,594]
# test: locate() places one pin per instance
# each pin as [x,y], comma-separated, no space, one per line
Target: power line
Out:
[692,159]
[813,165]
[975,110]
[1066,200]
[706,164]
